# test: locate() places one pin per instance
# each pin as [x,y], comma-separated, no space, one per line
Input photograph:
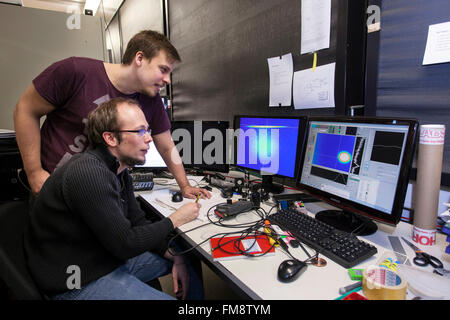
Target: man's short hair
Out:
[104,119]
[150,43]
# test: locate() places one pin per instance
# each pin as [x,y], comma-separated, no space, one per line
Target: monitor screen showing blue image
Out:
[268,145]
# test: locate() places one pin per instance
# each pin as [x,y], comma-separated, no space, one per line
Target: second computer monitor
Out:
[270,145]
[202,144]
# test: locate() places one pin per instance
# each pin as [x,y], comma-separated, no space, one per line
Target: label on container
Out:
[432,134]
[424,237]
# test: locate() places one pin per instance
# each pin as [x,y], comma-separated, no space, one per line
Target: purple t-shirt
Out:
[75,86]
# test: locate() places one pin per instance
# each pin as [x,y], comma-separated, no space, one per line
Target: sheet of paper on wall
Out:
[316,25]
[281,70]
[437,49]
[314,89]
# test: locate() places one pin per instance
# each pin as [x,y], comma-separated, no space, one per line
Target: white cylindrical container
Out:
[429,167]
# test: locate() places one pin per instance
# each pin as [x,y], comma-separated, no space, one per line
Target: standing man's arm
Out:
[169,153]
[30,108]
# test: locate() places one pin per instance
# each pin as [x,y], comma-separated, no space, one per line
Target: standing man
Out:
[88,238]
[69,89]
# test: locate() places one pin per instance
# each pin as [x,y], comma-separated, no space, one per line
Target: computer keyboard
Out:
[343,248]
[143,185]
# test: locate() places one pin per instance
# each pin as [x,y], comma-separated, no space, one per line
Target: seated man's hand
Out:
[180,278]
[185,214]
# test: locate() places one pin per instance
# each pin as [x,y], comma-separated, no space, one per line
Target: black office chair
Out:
[14,218]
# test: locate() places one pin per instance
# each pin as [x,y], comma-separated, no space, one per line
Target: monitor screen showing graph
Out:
[360,164]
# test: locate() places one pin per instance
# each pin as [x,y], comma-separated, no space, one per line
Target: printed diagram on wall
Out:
[314,89]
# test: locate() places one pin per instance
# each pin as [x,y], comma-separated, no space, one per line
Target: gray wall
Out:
[131,18]
[32,39]
[138,15]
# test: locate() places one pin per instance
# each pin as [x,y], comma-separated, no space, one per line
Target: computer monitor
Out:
[360,165]
[270,146]
[202,144]
[153,161]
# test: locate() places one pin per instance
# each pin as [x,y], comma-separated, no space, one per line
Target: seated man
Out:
[88,238]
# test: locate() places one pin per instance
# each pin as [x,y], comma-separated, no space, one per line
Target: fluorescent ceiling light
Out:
[92,5]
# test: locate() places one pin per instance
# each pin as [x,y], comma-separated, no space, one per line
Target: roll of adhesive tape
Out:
[383,284]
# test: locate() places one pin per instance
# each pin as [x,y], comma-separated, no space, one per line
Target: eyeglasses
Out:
[140,132]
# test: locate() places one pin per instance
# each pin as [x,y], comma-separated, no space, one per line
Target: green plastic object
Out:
[356,274]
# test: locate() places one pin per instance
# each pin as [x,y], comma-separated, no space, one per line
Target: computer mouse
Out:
[177,197]
[290,270]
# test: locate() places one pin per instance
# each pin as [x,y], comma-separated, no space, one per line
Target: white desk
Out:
[256,278]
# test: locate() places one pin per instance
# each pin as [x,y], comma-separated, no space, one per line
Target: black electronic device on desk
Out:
[270,146]
[143,185]
[142,181]
[229,210]
[360,165]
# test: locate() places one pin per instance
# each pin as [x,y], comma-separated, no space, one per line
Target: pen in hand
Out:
[198,198]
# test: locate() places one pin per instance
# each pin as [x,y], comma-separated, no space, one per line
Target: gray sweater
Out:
[86,215]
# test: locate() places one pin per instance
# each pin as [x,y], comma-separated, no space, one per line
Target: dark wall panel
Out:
[224,46]
[404,87]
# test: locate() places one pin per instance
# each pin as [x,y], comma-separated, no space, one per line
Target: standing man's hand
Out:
[36,180]
[165,146]
[27,114]
[192,192]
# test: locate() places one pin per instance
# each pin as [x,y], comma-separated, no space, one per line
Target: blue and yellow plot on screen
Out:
[334,151]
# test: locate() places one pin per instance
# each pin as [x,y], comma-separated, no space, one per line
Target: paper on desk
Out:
[316,24]
[438,44]
[206,204]
[314,89]
[280,74]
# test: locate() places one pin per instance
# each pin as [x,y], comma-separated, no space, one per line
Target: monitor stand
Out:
[269,186]
[348,222]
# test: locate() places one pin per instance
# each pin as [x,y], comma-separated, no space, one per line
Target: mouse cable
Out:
[315,256]
[276,237]
[286,250]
